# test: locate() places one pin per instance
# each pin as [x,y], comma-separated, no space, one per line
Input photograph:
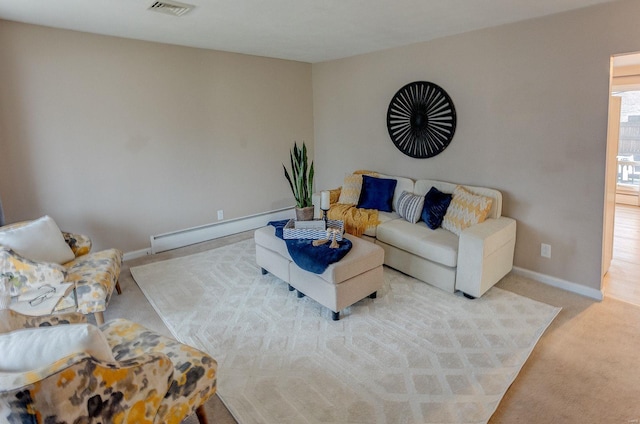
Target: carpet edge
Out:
[543,330]
[155,307]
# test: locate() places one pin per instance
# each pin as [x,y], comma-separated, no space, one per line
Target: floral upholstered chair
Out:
[37,252]
[143,377]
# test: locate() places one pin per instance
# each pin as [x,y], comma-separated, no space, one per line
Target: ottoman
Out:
[343,283]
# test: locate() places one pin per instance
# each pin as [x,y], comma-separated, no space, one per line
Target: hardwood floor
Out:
[622,282]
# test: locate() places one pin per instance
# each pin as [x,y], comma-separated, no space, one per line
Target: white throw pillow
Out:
[40,240]
[32,348]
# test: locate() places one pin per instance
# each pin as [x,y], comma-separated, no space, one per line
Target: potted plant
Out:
[301,182]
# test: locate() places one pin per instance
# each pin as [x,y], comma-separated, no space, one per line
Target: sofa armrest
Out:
[485,255]
[79,243]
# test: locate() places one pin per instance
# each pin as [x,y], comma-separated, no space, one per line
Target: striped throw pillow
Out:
[465,210]
[409,206]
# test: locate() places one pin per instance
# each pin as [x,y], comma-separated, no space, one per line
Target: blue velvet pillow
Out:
[377,193]
[435,207]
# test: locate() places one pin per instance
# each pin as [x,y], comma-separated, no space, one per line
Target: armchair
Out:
[154,379]
[95,274]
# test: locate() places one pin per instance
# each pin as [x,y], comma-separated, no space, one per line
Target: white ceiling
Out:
[303,30]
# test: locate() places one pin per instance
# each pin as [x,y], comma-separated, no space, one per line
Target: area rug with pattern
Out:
[415,354]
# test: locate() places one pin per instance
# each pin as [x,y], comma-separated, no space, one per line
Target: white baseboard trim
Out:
[136,254]
[560,283]
[189,236]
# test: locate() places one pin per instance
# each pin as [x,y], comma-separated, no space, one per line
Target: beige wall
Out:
[123,139]
[531,100]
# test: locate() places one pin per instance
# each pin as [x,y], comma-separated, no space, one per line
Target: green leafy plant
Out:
[301,178]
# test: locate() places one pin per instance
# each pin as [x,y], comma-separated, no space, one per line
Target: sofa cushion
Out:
[265,237]
[438,245]
[382,217]
[95,275]
[435,207]
[465,210]
[40,240]
[32,348]
[409,206]
[362,257]
[377,193]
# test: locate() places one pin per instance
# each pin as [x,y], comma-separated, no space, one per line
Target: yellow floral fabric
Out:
[79,243]
[155,379]
[95,274]
[11,320]
[194,372]
[28,274]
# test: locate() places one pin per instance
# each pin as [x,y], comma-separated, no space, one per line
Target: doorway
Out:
[621,247]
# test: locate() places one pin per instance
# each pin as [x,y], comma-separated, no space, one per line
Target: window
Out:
[629,142]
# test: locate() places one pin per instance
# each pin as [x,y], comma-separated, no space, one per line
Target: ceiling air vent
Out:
[171,7]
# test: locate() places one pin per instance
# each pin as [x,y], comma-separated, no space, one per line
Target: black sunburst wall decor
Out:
[421,119]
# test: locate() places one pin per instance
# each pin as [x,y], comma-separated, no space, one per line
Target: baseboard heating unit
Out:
[189,236]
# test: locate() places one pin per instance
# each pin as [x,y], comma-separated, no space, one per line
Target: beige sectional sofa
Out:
[472,262]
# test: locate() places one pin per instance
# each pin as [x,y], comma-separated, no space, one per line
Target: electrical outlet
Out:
[220,214]
[545,250]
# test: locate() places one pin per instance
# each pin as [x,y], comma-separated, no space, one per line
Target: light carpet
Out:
[415,354]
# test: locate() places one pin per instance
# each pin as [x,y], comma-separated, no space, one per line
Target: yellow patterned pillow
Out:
[365,172]
[465,210]
[334,195]
[350,193]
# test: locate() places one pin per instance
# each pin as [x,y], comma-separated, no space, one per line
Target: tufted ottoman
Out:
[356,276]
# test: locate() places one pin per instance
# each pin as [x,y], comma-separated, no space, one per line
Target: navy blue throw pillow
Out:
[435,207]
[377,193]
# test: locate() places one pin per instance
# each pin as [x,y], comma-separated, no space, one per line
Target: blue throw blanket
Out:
[312,258]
